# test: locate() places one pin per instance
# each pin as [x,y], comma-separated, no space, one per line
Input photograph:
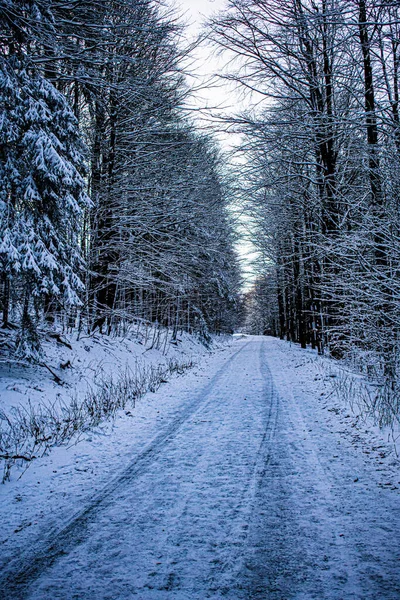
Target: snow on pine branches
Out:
[42,192]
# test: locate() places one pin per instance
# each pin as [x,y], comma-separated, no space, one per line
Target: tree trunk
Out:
[6,301]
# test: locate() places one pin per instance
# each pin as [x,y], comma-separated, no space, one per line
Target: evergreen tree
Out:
[42,195]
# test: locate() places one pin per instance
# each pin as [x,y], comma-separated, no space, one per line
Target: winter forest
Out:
[321,172]
[199,299]
[115,204]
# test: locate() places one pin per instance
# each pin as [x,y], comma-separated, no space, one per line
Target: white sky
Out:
[205,64]
[222,98]
[200,9]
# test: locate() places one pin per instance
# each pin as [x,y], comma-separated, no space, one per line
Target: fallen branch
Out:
[57,379]
[17,457]
[60,340]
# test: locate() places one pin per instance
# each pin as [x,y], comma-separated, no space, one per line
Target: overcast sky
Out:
[206,64]
[197,10]
[224,97]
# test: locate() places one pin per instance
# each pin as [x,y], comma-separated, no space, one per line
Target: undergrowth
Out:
[375,400]
[30,431]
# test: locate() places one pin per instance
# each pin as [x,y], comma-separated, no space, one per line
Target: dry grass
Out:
[29,432]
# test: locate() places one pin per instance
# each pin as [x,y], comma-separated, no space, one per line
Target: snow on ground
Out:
[80,382]
[244,478]
[308,376]
[90,358]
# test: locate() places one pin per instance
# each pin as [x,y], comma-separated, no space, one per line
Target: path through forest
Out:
[243,494]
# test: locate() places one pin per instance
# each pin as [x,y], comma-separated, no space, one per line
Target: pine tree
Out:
[42,196]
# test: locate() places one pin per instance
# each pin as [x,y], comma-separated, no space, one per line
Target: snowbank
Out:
[81,381]
[341,398]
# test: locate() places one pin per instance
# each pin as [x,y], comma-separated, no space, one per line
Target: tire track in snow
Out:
[229,574]
[293,550]
[21,573]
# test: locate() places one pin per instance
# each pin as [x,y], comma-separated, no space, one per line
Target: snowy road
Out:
[243,494]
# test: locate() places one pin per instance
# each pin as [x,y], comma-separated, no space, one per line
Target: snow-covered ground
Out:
[80,363]
[80,382]
[244,478]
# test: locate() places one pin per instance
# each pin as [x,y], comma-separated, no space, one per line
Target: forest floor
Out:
[246,478]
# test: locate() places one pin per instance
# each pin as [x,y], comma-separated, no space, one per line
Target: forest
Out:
[113,206]
[200,299]
[116,204]
[322,180]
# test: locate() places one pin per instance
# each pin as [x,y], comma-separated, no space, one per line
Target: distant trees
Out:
[261,315]
[322,173]
[111,205]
